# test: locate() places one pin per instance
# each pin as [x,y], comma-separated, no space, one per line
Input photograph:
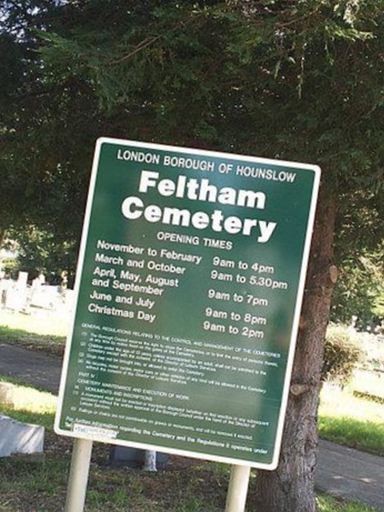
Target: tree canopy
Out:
[292,80]
[295,80]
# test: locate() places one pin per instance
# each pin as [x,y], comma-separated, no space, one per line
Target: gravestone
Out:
[17,437]
[134,457]
[16,293]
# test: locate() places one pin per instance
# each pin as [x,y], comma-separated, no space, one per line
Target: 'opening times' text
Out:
[130,284]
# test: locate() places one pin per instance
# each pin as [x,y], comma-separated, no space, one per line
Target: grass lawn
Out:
[328,504]
[28,404]
[45,331]
[352,421]
[183,487]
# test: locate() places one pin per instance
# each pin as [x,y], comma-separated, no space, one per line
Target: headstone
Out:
[17,437]
[22,279]
[69,299]
[150,460]
[6,393]
[45,297]
[4,287]
[16,295]
[134,457]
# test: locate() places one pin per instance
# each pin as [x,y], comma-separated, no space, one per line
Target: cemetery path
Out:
[342,472]
[32,367]
[350,474]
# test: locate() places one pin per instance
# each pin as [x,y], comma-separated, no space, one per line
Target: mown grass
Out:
[366,436]
[352,421]
[18,381]
[44,419]
[43,323]
[328,504]
[47,333]
[28,404]
[27,486]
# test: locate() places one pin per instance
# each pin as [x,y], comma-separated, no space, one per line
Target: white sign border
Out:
[296,317]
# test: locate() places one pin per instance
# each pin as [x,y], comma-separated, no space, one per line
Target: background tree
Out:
[41,251]
[360,255]
[293,80]
[47,130]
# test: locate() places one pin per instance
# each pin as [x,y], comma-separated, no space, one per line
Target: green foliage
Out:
[43,251]
[294,80]
[360,290]
[274,71]
[341,353]
[360,255]
[9,266]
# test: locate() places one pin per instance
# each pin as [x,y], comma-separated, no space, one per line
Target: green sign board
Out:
[190,279]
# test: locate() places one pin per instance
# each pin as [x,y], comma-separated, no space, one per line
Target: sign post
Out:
[78,475]
[189,286]
[238,489]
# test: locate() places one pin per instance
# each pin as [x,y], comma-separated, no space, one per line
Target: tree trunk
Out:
[291,487]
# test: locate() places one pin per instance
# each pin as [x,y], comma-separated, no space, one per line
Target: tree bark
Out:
[290,488]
